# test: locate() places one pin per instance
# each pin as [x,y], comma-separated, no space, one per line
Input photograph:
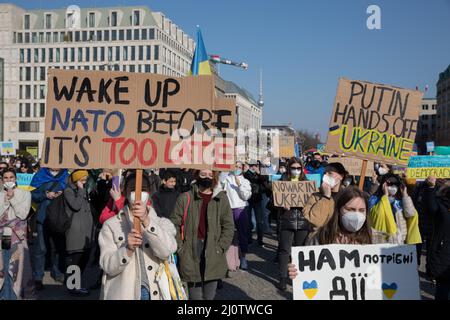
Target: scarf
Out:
[44,176]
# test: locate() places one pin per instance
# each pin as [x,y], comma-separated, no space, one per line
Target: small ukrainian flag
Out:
[200,62]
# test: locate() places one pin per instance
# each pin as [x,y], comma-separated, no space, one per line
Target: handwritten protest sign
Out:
[23,180]
[374,122]
[286,146]
[135,120]
[421,167]
[353,165]
[356,272]
[7,148]
[292,194]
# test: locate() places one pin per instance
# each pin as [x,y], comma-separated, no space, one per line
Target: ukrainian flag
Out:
[200,62]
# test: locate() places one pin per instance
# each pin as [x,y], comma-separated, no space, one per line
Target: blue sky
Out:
[305,46]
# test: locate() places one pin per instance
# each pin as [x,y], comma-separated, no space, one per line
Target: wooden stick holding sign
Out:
[363,175]
[138,193]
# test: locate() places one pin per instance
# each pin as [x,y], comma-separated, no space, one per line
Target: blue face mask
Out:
[251,170]
[237,172]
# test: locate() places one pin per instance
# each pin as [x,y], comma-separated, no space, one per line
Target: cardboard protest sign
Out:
[374,122]
[23,181]
[292,194]
[353,165]
[286,145]
[33,151]
[356,272]
[7,148]
[421,167]
[99,119]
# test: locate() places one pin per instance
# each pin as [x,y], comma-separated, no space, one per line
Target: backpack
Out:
[57,218]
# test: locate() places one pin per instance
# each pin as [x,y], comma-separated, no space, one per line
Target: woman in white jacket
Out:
[239,190]
[129,259]
[15,268]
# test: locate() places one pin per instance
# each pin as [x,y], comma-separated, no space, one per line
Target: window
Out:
[21,73]
[43,55]
[55,37]
[148,68]
[148,53]
[28,74]
[42,91]
[65,53]
[132,68]
[48,37]
[116,67]
[129,34]
[41,37]
[48,21]
[61,37]
[151,34]
[110,53]
[35,77]
[26,22]
[136,34]
[33,37]
[35,95]
[136,18]
[80,54]
[102,54]
[22,56]
[92,36]
[77,36]
[125,53]
[106,35]
[95,54]
[27,110]
[121,35]
[117,53]
[20,110]
[88,54]
[99,35]
[114,19]
[42,110]
[156,68]
[36,55]
[156,52]
[91,19]
[28,55]
[133,53]
[27,37]
[141,53]
[28,126]
[20,92]
[19,38]
[57,54]
[72,54]
[113,35]
[84,36]
[34,109]
[144,34]
[42,71]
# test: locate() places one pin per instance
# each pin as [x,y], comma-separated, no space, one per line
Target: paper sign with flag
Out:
[200,62]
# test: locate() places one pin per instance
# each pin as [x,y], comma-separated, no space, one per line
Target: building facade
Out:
[2,90]
[443,109]
[247,123]
[271,136]
[131,39]
[426,128]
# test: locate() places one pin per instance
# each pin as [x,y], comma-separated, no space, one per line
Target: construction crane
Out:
[216,59]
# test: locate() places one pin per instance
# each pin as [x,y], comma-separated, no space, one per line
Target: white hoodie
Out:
[237,196]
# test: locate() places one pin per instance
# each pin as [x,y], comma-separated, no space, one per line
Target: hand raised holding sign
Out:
[139,210]
[134,241]
[326,190]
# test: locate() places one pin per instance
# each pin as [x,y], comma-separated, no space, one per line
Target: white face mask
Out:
[18,165]
[392,190]
[296,173]
[9,185]
[54,173]
[382,171]
[353,221]
[144,197]
[329,180]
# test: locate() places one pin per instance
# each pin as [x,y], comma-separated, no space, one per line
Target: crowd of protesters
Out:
[189,220]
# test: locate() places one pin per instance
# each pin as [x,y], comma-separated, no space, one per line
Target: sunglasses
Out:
[296,168]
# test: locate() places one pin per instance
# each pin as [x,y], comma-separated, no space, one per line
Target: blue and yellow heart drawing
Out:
[389,290]
[310,288]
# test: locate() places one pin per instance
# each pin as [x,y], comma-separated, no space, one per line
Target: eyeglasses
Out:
[296,168]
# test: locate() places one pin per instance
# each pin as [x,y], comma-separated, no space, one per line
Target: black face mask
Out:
[315,164]
[205,182]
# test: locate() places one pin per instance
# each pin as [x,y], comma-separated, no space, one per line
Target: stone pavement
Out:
[257,283]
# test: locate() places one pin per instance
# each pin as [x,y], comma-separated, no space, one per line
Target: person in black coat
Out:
[294,228]
[440,243]
[163,201]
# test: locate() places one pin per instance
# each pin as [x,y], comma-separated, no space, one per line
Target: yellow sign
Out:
[423,173]
[33,151]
